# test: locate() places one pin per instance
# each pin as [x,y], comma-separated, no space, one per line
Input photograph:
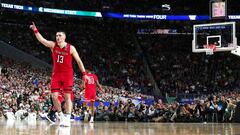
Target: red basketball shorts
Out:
[62,80]
[90,95]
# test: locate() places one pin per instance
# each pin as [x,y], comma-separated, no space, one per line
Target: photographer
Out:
[199,110]
[151,113]
[229,111]
[211,107]
[112,111]
[222,105]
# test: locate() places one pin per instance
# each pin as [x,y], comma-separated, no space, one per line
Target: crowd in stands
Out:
[217,108]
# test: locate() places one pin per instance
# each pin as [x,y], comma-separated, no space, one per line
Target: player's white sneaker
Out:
[92,119]
[65,122]
[62,119]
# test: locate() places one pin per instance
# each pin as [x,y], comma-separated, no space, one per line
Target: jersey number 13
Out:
[60,59]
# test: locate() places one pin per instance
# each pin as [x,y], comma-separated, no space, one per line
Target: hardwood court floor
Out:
[117,128]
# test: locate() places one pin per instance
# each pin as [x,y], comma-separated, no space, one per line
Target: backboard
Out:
[223,35]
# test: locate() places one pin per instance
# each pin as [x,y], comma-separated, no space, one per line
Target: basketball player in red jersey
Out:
[62,76]
[89,84]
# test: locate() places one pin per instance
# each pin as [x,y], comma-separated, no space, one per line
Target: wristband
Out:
[84,73]
[36,31]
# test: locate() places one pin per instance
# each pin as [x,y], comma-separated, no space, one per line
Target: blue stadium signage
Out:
[111,15]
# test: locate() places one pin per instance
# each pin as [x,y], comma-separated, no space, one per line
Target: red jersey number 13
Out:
[60,59]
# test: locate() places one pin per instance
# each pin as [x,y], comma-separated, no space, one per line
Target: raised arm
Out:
[83,83]
[40,38]
[77,59]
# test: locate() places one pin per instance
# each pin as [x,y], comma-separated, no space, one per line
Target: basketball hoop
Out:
[211,48]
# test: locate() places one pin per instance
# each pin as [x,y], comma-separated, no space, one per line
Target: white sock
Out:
[61,114]
[68,116]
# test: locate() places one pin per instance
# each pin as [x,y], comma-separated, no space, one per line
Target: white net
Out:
[209,51]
